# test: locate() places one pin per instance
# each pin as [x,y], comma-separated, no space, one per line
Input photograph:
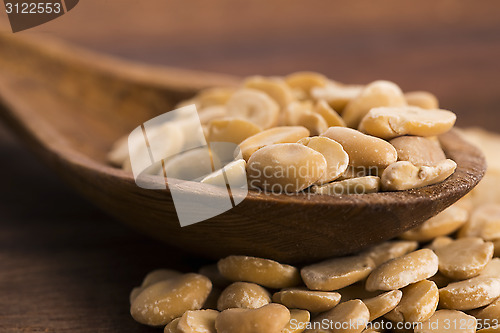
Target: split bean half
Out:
[403,271]
[266,272]
[337,273]
[391,122]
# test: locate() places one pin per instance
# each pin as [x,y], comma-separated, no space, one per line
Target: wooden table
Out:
[67,267]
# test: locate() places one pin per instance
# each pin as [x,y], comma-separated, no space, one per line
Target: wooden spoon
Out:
[70,105]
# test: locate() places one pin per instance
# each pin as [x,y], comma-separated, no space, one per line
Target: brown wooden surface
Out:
[65,266]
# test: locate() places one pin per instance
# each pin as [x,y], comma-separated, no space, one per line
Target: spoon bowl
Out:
[69,105]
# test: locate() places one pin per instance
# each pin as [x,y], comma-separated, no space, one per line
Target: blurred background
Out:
[449,47]
[67,267]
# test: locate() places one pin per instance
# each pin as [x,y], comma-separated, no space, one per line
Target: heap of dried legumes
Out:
[443,276]
[305,132]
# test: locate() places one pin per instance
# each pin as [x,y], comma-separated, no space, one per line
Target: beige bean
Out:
[234,130]
[336,95]
[363,150]
[403,175]
[283,134]
[418,150]
[375,94]
[255,106]
[271,318]
[198,321]
[295,110]
[492,269]
[448,321]
[211,113]
[213,96]
[172,327]
[243,295]
[233,173]
[464,258]
[266,272]
[383,303]
[285,168]
[470,294]
[360,185]
[347,317]
[190,165]
[163,301]
[403,271]
[212,272]
[418,304]
[314,301]
[305,81]
[275,87]
[336,273]
[337,159]
[331,117]
[153,277]
[422,99]
[484,222]
[298,321]
[314,122]
[391,122]
[389,250]
[444,223]
[439,242]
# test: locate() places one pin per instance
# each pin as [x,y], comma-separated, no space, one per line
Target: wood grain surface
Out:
[67,267]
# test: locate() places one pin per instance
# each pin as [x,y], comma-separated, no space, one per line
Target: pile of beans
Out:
[305,132]
[443,276]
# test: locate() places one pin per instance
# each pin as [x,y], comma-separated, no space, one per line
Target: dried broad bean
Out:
[166,300]
[375,94]
[255,106]
[363,150]
[391,122]
[285,167]
[337,159]
[233,130]
[198,321]
[298,321]
[464,258]
[418,304]
[418,150]
[383,303]
[403,271]
[283,134]
[243,295]
[470,294]
[444,223]
[403,175]
[314,301]
[336,273]
[422,99]
[348,317]
[271,318]
[266,272]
